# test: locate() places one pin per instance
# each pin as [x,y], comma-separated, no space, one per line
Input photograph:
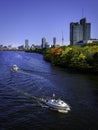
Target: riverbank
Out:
[76,58]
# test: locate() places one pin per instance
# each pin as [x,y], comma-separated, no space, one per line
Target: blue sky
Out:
[34,19]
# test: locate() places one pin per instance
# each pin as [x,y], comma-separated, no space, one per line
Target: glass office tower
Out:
[79,32]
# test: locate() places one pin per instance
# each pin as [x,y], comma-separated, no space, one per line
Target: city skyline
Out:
[34,19]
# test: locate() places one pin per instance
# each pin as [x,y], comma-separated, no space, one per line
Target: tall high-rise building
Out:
[79,31]
[26,44]
[54,41]
[43,45]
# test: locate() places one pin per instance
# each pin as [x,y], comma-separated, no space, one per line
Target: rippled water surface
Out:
[19,111]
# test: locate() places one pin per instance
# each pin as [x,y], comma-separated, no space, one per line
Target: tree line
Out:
[83,58]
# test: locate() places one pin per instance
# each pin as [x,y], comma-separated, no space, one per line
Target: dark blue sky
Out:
[34,19]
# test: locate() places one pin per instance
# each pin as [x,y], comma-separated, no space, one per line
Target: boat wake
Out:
[54,104]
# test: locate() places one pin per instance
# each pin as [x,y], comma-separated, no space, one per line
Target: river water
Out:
[36,77]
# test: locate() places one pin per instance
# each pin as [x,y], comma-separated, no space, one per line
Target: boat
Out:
[15,68]
[58,105]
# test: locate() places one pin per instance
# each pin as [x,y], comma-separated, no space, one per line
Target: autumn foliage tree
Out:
[77,57]
[55,55]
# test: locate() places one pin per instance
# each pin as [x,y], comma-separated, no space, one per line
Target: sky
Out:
[34,19]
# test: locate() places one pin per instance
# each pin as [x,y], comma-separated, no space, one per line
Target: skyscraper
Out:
[79,32]
[26,44]
[54,41]
[43,45]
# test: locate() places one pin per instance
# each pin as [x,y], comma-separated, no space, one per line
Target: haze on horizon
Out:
[34,19]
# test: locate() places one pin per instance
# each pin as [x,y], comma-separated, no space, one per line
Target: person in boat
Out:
[53,96]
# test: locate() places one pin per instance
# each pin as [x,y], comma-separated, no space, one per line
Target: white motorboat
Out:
[58,104]
[15,68]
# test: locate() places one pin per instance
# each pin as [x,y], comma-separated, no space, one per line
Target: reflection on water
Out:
[18,110]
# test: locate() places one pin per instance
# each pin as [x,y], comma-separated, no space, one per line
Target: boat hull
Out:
[59,108]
